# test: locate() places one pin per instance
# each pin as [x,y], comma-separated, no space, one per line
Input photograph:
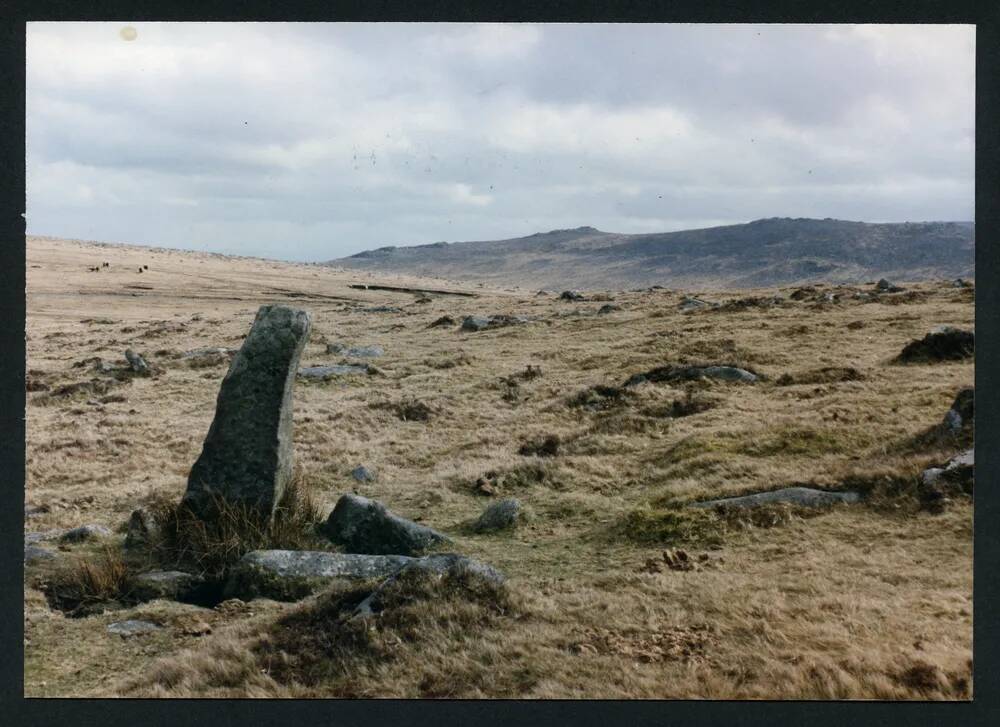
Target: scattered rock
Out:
[366,526]
[571,295]
[482,323]
[362,474]
[942,344]
[171,585]
[84,533]
[962,412]
[132,627]
[960,283]
[803,293]
[247,455]
[35,553]
[499,515]
[801,496]
[322,373]
[382,309]
[355,351]
[960,470]
[136,362]
[687,373]
[687,304]
[884,286]
[607,308]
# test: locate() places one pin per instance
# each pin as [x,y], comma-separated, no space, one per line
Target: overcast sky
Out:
[310,142]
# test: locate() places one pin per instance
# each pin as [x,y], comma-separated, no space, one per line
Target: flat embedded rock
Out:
[293,574]
[326,372]
[802,496]
[247,455]
[355,351]
[170,585]
[36,553]
[132,627]
[367,526]
[84,533]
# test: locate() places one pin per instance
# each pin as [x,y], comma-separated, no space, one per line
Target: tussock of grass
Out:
[86,585]
[209,546]
[671,526]
[324,643]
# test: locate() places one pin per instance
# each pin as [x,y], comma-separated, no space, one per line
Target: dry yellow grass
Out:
[861,602]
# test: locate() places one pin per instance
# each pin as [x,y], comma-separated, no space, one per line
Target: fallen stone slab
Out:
[247,456]
[294,574]
[355,351]
[801,496]
[171,585]
[688,373]
[132,627]
[322,373]
[367,526]
[944,343]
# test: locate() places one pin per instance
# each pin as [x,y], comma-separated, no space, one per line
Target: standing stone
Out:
[247,455]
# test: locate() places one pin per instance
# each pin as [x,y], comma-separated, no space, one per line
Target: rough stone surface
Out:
[84,533]
[142,529]
[171,585]
[132,627]
[293,574]
[499,515]
[355,351]
[326,372]
[962,412]
[571,295]
[475,323]
[362,474]
[686,373]
[34,553]
[247,455]
[366,526]
[802,496]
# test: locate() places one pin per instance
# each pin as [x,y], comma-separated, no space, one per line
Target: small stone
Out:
[367,526]
[170,585]
[571,295]
[499,515]
[136,362]
[607,308]
[362,474]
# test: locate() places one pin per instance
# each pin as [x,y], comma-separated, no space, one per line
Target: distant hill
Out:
[775,251]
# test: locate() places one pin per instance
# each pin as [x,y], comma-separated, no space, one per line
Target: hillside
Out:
[775,251]
[620,582]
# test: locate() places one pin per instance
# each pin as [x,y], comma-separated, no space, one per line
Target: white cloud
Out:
[313,141]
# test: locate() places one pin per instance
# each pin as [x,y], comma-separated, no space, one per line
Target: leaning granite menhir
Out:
[247,456]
